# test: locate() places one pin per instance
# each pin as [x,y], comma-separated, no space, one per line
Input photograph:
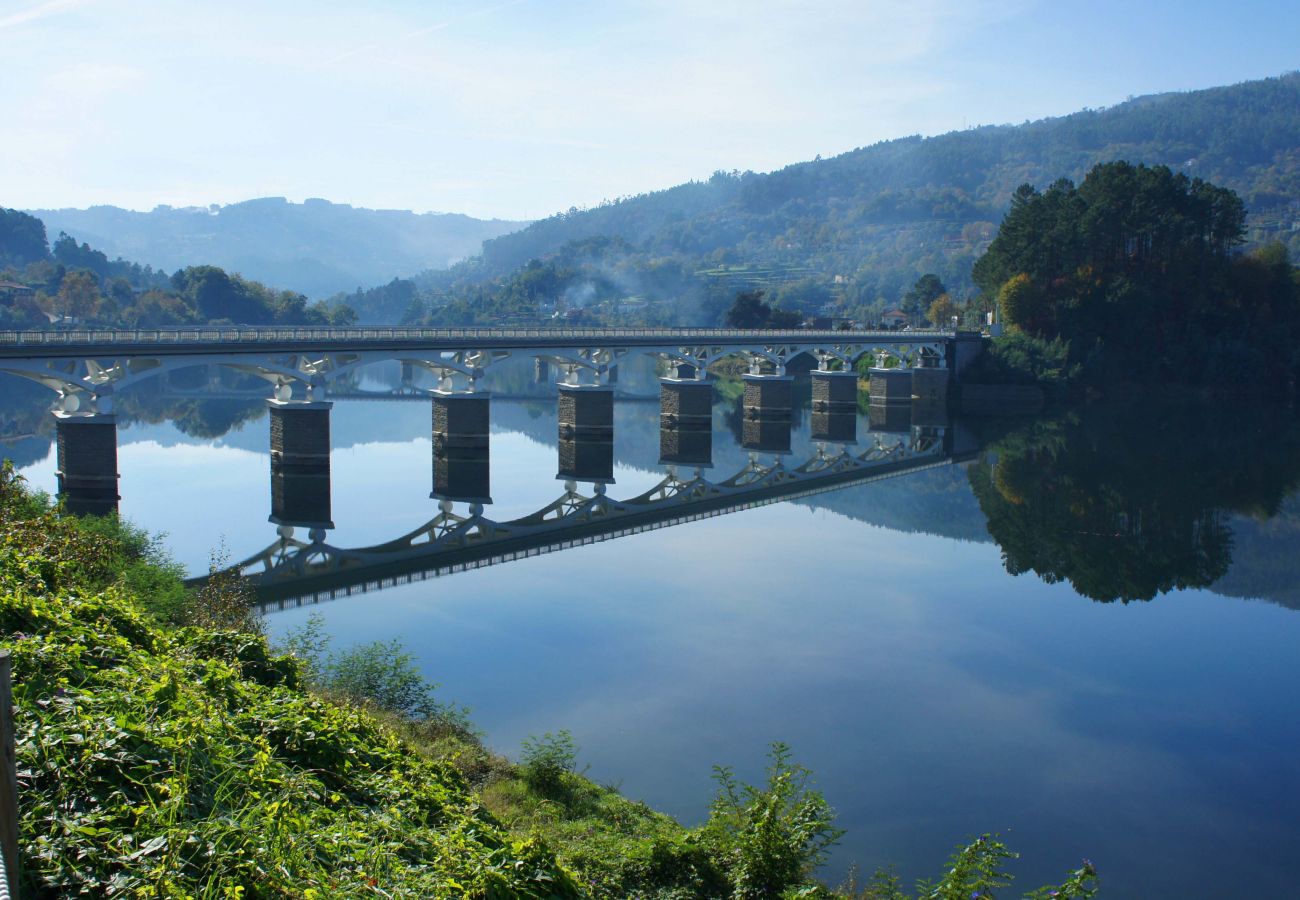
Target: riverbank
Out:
[162,752]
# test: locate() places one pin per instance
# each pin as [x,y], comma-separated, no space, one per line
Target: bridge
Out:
[299,366]
[293,571]
[85,367]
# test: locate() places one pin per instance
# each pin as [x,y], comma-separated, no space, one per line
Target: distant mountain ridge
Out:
[316,247]
[864,225]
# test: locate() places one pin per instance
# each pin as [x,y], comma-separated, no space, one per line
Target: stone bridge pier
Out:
[461,447]
[300,466]
[86,456]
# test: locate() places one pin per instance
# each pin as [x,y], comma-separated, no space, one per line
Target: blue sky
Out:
[520,108]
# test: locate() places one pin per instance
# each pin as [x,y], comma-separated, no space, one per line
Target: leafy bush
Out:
[547,759]
[974,872]
[380,674]
[770,839]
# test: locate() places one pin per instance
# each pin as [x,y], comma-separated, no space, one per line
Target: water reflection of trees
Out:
[1129,502]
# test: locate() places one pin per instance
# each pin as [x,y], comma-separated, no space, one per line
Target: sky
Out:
[517,109]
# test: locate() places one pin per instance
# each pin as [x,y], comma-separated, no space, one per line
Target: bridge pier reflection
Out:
[894,418]
[300,467]
[461,461]
[768,403]
[87,462]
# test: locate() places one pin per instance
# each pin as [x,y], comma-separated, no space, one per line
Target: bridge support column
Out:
[769,396]
[768,403]
[930,386]
[586,409]
[834,392]
[87,462]
[300,434]
[890,386]
[461,461]
[541,371]
[685,446]
[686,403]
[300,466]
[461,420]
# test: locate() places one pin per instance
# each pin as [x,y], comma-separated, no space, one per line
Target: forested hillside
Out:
[67,284]
[316,247]
[852,233]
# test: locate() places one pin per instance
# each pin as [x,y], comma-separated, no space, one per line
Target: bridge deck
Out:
[206,340]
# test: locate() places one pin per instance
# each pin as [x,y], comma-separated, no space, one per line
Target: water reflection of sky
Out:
[933,695]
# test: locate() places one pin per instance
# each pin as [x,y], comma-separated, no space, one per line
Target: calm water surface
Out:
[876,628]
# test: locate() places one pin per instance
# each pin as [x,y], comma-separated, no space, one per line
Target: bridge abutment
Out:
[86,456]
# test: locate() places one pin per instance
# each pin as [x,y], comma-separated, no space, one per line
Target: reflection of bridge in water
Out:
[292,571]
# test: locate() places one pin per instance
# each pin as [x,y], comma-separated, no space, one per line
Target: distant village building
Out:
[11,292]
[894,318]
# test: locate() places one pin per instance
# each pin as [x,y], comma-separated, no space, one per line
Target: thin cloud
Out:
[40,11]
[420,32]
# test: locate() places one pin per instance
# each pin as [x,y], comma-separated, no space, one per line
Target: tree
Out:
[942,311]
[78,295]
[748,310]
[927,289]
[22,238]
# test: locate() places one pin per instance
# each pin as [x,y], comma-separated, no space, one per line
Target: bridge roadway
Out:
[86,368]
[77,343]
[291,572]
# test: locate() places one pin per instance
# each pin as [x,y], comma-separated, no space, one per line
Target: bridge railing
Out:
[257,335]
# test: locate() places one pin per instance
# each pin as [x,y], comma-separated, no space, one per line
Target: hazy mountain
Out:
[316,247]
[860,228]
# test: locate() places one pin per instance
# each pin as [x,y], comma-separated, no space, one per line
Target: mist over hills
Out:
[316,247]
[858,229]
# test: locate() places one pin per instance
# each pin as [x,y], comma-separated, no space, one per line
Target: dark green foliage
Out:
[749,310]
[917,300]
[546,760]
[1133,268]
[771,838]
[163,763]
[22,238]
[1019,358]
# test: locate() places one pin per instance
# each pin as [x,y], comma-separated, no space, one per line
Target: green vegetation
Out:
[162,752]
[852,234]
[72,282]
[1133,270]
